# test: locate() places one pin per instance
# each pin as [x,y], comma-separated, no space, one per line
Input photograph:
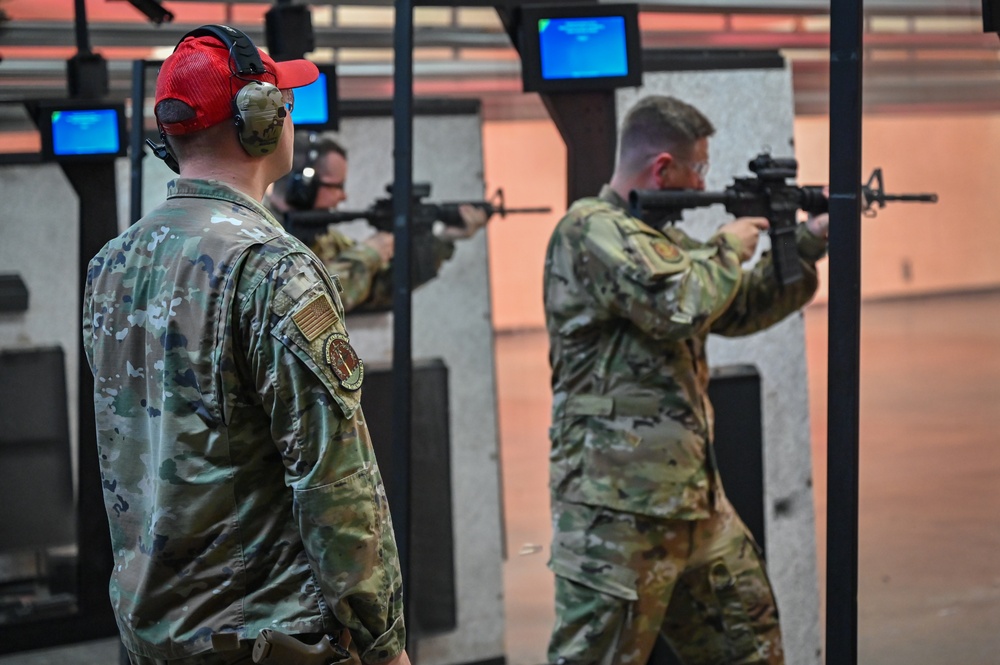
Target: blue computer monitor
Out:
[82,130]
[579,48]
[316,104]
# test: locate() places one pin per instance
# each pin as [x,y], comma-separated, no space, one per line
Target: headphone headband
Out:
[243,51]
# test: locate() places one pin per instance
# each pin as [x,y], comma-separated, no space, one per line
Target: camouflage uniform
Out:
[644,538]
[364,279]
[239,479]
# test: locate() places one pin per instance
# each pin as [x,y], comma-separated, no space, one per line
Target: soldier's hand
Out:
[473,218]
[383,243]
[747,229]
[819,225]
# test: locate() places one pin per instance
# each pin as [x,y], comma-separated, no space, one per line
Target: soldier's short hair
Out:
[310,150]
[173,110]
[181,145]
[327,144]
[658,123]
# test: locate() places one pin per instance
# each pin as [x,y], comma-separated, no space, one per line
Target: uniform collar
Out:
[215,189]
[611,196]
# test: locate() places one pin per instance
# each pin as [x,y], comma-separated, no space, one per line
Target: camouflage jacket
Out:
[359,267]
[367,285]
[628,310]
[239,478]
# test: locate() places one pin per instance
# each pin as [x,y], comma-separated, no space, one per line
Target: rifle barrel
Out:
[524,211]
[924,198]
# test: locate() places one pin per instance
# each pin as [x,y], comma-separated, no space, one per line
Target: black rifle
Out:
[769,194]
[306,224]
[427,252]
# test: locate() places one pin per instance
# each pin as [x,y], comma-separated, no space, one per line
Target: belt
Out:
[603,405]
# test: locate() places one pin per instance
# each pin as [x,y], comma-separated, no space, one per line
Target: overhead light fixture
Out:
[153,10]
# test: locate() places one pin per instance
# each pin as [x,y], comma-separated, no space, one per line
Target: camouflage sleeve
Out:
[635,272]
[358,266]
[309,378]
[88,316]
[444,249]
[761,302]
[379,298]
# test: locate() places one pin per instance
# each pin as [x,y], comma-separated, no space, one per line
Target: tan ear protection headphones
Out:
[258,109]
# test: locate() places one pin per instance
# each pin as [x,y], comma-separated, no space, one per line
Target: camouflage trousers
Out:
[622,579]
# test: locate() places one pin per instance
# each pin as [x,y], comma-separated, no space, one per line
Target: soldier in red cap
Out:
[239,480]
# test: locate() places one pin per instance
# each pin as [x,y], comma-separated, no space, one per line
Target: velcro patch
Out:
[340,356]
[316,317]
[666,251]
[658,254]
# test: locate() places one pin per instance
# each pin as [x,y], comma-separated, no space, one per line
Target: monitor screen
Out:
[75,130]
[316,104]
[85,132]
[577,48]
[583,47]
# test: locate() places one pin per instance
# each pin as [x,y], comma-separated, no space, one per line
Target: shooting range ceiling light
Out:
[153,10]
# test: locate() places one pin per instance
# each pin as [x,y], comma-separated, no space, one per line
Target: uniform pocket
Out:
[603,576]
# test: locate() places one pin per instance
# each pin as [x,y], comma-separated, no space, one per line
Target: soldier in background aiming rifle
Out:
[645,542]
[363,268]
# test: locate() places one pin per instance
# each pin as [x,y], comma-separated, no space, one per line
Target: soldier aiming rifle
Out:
[430,249]
[771,193]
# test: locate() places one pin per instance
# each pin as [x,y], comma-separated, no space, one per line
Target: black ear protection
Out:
[258,109]
[303,184]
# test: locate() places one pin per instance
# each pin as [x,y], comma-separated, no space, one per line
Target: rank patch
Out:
[343,360]
[316,317]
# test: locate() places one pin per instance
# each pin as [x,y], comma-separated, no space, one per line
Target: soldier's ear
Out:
[661,169]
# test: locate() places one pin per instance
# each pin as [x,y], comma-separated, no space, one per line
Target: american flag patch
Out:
[315,318]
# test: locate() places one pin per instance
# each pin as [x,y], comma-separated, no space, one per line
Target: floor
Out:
[929,554]
[929,521]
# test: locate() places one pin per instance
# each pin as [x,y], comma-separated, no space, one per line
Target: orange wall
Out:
[912,248]
[528,160]
[908,248]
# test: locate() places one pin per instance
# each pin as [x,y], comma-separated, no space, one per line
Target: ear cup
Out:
[303,185]
[301,191]
[260,116]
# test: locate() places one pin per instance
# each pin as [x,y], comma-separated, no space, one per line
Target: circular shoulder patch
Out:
[666,250]
[343,360]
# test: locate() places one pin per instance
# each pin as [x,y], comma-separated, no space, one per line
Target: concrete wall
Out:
[39,240]
[451,320]
[752,111]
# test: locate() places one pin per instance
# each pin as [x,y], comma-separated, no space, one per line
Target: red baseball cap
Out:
[202,74]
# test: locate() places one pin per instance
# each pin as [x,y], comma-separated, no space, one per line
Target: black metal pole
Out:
[846,30]
[80,27]
[402,368]
[136,151]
